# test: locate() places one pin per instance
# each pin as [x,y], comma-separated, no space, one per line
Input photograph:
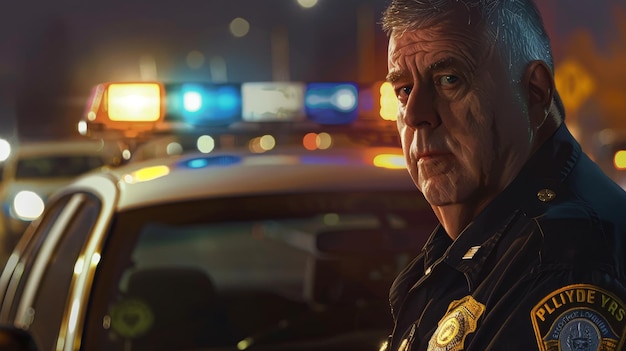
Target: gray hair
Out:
[515,26]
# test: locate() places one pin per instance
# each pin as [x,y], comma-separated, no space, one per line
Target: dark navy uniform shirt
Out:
[541,268]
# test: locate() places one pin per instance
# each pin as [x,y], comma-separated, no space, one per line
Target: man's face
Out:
[463,126]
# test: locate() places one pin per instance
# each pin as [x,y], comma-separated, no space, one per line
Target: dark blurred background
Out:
[53,51]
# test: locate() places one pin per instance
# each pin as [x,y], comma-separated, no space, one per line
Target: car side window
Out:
[15,276]
[49,302]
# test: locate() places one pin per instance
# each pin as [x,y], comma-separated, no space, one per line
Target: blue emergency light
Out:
[201,104]
[332,103]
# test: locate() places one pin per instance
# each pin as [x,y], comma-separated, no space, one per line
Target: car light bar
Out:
[134,107]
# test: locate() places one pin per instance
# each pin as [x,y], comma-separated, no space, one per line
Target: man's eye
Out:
[404,92]
[448,80]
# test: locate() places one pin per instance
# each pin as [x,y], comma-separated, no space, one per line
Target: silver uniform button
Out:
[546,195]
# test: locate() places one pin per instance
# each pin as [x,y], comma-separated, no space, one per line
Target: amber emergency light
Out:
[130,108]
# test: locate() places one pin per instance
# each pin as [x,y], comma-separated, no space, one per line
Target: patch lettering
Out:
[460,320]
[579,317]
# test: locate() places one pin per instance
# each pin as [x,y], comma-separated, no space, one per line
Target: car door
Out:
[40,279]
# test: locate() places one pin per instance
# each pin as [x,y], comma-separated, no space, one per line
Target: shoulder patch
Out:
[579,317]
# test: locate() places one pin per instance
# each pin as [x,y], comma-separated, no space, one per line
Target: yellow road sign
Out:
[573,83]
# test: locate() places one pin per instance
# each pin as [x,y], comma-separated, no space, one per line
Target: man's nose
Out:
[421,111]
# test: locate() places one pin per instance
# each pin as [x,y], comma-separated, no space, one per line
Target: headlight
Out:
[27,205]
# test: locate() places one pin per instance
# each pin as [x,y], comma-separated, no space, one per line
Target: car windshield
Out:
[56,166]
[278,272]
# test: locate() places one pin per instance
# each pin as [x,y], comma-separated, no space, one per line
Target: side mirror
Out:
[16,339]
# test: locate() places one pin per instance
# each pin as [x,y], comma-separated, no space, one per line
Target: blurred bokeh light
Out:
[5,150]
[307,3]
[239,27]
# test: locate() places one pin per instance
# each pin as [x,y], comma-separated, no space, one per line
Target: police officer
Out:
[530,251]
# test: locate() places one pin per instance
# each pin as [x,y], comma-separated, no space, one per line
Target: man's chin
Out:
[447,189]
[440,197]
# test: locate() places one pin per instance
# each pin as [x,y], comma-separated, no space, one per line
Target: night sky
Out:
[53,51]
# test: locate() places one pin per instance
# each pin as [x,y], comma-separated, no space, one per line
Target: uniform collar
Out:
[543,173]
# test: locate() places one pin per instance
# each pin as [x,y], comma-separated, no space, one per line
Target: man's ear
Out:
[539,85]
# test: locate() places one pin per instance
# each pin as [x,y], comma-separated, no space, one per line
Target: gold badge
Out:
[579,317]
[460,320]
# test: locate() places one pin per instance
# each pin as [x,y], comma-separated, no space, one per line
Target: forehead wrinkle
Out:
[427,39]
[434,61]
[453,59]
[424,49]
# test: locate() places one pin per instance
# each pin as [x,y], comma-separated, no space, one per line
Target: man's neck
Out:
[455,218]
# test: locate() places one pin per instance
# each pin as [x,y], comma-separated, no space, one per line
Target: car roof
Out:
[239,173]
[64,147]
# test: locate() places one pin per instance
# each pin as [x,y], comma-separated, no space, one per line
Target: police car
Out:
[35,169]
[262,247]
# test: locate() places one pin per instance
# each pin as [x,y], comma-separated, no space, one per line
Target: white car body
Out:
[39,183]
[56,267]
